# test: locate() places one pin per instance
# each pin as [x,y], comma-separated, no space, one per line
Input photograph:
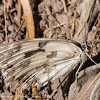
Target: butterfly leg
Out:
[77,72]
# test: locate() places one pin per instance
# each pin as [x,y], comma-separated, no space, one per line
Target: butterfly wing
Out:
[36,61]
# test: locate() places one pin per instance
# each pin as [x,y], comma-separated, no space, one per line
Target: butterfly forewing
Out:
[36,61]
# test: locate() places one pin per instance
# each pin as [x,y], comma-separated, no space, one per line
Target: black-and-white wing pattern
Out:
[36,61]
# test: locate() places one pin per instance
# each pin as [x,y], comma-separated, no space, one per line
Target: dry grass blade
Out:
[15,95]
[11,92]
[5,15]
[35,92]
[90,86]
[74,17]
[97,27]
[27,35]
[28,18]
[19,11]
[64,4]
[19,94]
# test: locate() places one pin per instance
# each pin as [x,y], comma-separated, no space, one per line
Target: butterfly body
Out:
[36,61]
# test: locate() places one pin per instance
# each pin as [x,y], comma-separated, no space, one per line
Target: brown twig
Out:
[8,4]
[53,28]
[64,5]
[75,13]
[17,33]
[74,22]
[86,19]
[85,34]
[96,21]
[95,41]
[11,92]
[11,18]
[12,10]
[49,13]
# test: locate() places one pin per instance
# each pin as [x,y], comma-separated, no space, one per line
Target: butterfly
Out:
[37,61]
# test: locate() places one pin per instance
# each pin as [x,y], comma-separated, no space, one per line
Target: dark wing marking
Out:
[36,61]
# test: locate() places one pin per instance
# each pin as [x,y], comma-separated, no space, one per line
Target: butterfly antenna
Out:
[91,58]
[86,50]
